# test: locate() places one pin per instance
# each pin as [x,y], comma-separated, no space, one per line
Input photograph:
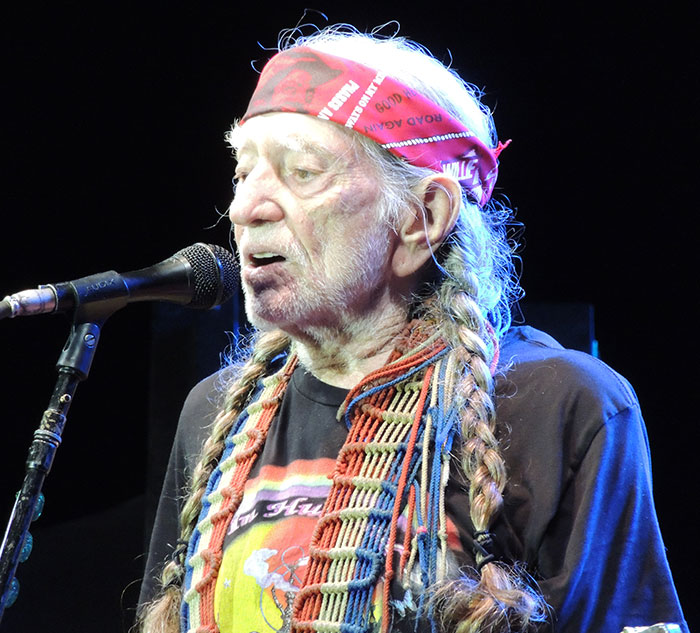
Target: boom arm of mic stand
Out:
[73,367]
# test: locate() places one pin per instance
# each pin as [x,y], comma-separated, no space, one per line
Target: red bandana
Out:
[366,100]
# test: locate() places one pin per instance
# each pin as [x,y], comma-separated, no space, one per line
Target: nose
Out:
[256,198]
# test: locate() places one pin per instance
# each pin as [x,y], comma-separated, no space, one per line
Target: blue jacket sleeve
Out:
[602,555]
[579,507]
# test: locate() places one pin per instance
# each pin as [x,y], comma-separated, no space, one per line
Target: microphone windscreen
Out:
[214,274]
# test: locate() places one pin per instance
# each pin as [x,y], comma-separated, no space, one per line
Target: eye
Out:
[303,175]
[238,179]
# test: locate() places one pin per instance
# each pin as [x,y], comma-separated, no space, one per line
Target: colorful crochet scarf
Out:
[402,422]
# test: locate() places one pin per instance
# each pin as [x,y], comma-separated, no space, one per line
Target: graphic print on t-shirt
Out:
[266,551]
[267,546]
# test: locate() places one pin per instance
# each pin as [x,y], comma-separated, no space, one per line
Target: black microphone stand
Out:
[73,367]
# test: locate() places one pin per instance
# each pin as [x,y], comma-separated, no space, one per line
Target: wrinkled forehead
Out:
[296,131]
[279,132]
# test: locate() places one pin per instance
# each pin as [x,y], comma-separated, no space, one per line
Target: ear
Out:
[427,225]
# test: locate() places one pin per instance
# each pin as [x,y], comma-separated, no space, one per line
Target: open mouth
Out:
[263,259]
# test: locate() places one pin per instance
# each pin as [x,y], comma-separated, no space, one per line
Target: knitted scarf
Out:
[402,421]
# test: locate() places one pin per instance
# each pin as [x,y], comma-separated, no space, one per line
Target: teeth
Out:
[264,255]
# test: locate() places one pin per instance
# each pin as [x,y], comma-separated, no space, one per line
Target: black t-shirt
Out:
[266,547]
[578,505]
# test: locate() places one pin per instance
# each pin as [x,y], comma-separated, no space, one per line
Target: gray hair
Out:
[479,255]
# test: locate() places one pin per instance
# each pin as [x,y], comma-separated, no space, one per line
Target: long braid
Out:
[498,597]
[163,614]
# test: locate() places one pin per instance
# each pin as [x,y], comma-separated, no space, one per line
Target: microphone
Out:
[199,276]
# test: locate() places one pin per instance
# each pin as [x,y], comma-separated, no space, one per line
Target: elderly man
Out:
[391,455]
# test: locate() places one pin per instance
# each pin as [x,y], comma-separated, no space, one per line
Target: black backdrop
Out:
[113,121]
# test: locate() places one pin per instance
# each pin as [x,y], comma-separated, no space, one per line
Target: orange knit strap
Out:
[221,504]
[352,545]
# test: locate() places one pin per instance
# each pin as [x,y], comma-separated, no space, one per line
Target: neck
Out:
[342,356]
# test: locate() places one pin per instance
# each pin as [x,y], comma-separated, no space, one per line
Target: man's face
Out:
[313,250]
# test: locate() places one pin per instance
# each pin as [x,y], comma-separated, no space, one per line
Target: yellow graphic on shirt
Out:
[260,574]
[266,551]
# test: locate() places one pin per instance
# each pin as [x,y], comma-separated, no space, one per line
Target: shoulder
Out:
[201,406]
[532,363]
[205,398]
[204,402]
[549,395]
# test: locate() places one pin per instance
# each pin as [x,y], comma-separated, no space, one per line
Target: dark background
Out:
[113,123]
